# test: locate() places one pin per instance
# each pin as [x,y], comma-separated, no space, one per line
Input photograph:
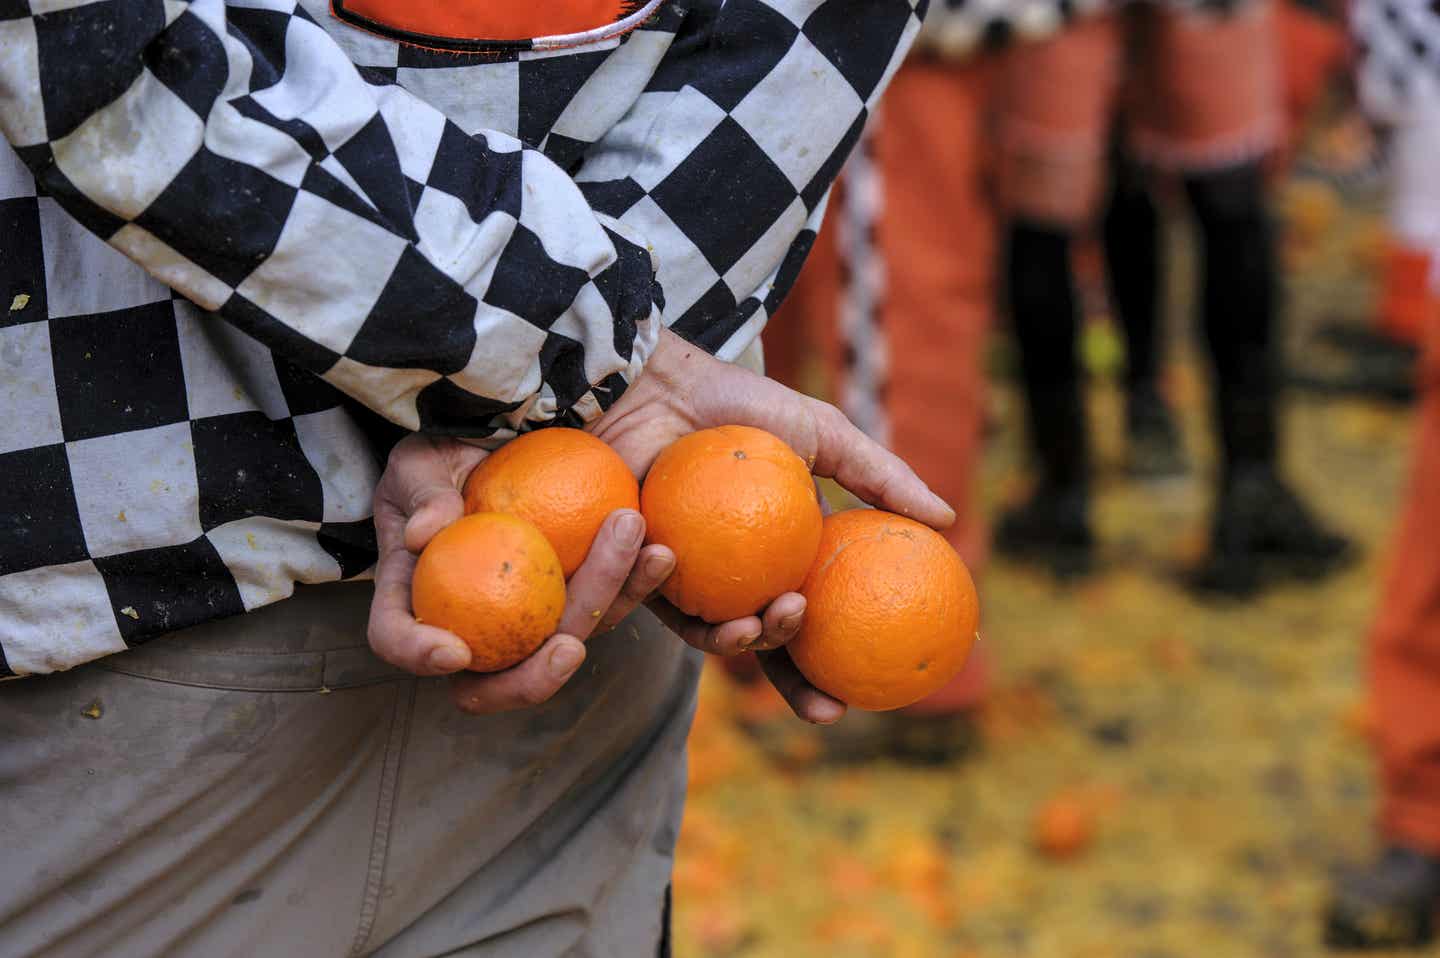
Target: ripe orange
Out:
[563,480]
[891,611]
[738,507]
[493,580]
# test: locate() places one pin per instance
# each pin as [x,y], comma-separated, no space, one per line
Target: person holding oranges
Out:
[421,493]
[275,277]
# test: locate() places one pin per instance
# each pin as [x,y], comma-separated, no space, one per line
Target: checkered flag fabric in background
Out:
[1399,46]
[331,223]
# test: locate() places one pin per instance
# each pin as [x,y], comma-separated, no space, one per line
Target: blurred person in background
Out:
[898,295]
[1311,48]
[1391,902]
[1406,139]
[1197,92]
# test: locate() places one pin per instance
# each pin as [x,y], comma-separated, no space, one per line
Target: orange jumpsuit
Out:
[1405,637]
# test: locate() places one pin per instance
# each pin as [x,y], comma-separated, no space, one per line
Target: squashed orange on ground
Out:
[1064,827]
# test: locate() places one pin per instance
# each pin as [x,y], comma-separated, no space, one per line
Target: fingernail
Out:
[448,658]
[657,567]
[791,622]
[565,659]
[749,639]
[629,529]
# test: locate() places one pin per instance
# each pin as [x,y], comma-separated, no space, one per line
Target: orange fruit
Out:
[493,580]
[890,611]
[1064,827]
[737,506]
[563,480]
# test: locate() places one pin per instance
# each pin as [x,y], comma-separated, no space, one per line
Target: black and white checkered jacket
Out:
[235,237]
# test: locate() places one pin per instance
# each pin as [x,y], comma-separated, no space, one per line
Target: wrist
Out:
[673,361]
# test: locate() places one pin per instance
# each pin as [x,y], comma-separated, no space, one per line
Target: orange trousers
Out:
[1405,638]
[1313,52]
[1405,297]
[897,297]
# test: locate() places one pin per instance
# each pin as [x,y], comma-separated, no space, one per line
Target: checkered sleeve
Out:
[453,283]
[725,161]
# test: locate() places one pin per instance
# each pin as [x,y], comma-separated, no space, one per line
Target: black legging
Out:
[1041,291]
[1134,269]
[1238,306]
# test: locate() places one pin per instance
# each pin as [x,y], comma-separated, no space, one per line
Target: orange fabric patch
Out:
[484,20]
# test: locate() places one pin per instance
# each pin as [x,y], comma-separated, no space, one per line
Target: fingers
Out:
[781,622]
[396,636]
[652,568]
[420,489]
[436,506]
[872,472]
[596,584]
[730,638]
[416,497]
[804,699]
[779,625]
[523,686]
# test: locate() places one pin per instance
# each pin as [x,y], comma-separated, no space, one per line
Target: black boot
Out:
[1052,526]
[1155,450]
[1261,530]
[1389,904]
[1348,359]
[1262,533]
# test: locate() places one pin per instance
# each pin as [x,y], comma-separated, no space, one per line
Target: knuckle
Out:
[399,455]
[379,640]
[829,416]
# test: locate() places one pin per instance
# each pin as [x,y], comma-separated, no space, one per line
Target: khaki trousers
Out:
[264,786]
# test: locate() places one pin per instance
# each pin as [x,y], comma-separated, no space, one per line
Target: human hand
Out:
[682,390]
[418,495]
